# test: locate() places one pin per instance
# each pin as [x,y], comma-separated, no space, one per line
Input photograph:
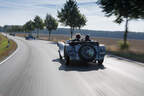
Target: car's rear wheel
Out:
[59,55]
[66,57]
[67,61]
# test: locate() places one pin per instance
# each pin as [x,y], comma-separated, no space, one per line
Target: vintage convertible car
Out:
[87,51]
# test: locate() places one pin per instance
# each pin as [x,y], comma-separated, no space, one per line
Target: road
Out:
[35,70]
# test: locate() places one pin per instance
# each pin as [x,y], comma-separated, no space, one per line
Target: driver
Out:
[77,37]
[87,38]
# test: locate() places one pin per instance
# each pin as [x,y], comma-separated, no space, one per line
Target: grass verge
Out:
[6,47]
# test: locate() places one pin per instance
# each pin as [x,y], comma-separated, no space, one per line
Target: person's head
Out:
[87,37]
[78,36]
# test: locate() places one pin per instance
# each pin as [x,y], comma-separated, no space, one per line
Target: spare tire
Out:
[87,52]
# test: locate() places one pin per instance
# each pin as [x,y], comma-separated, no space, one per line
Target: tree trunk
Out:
[126,31]
[79,29]
[71,32]
[37,33]
[49,34]
[30,32]
[25,33]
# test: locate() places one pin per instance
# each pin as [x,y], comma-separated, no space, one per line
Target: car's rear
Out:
[85,51]
[29,37]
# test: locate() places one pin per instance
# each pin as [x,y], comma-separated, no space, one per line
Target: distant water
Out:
[92,33]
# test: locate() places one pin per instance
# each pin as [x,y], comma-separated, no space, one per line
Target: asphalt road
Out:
[35,70]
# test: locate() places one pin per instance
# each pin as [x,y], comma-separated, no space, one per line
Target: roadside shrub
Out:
[123,46]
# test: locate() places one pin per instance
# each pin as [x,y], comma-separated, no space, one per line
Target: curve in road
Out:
[35,70]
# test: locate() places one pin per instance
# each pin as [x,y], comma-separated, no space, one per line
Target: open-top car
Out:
[87,51]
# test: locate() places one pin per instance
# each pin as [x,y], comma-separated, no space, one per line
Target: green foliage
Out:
[38,23]
[29,26]
[71,16]
[123,10]
[16,28]
[25,27]
[81,21]
[50,23]
[13,28]
[68,15]
[123,46]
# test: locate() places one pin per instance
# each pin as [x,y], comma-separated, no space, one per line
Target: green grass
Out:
[6,50]
[3,43]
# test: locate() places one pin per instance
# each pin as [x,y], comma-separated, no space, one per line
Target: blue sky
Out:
[19,11]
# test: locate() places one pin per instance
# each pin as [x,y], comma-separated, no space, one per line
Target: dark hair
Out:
[78,36]
[87,36]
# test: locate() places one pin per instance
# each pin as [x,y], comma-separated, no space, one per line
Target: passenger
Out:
[78,37]
[87,38]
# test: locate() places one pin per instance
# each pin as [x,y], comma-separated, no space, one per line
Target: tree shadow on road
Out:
[77,66]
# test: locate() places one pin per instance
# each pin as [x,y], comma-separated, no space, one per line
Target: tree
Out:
[25,28]
[16,28]
[69,15]
[29,26]
[123,10]
[50,23]
[81,21]
[38,24]
[1,28]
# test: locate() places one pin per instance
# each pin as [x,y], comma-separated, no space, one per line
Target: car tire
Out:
[66,57]
[60,55]
[67,61]
[100,62]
